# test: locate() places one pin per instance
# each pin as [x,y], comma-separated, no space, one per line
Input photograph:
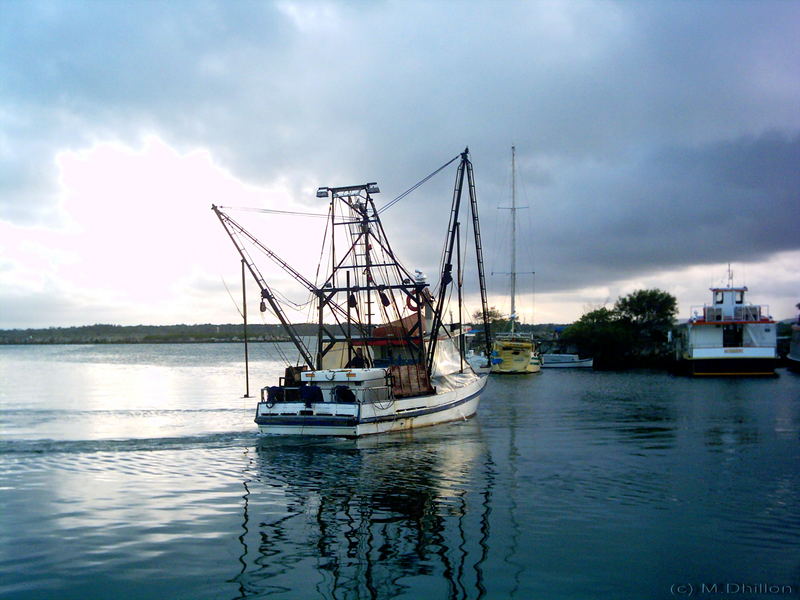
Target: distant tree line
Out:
[137,334]
[633,332]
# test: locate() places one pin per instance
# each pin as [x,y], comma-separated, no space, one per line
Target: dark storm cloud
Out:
[650,135]
[732,201]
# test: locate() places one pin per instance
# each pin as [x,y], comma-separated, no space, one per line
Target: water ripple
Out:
[567,485]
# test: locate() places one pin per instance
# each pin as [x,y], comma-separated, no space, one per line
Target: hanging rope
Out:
[275,343]
[231,295]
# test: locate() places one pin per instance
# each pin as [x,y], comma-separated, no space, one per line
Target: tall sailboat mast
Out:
[514,352]
[513,239]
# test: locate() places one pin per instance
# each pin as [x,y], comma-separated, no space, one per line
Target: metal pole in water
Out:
[244,316]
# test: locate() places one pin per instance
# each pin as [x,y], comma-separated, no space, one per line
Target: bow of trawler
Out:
[383,360]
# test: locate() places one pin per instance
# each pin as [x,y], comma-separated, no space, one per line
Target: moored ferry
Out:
[728,337]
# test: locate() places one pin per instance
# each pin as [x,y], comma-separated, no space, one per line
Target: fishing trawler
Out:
[727,337]
[514,351]
[384,359]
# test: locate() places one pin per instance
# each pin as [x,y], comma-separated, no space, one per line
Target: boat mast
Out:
[476,231]
[446,277]
[513,239]
[464,168]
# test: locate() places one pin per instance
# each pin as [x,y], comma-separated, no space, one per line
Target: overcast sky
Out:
[656,143]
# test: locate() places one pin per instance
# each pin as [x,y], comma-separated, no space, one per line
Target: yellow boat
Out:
[515,353]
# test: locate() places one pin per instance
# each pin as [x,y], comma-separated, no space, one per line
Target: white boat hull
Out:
[566,361]
[587,363]
[360,419]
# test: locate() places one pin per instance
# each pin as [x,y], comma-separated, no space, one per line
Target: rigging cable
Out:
[231,295]
[275,343]
[275,211]
[416,185]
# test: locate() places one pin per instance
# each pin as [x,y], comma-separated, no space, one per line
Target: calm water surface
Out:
[136,472]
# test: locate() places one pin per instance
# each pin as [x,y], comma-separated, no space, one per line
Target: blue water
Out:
[136,472]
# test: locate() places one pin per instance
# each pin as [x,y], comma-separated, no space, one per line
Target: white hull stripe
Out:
[347,421]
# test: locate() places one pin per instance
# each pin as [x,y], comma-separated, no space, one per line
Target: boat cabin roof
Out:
[729,289]
[350,375]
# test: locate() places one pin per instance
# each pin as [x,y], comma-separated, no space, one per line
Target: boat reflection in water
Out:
[367,518]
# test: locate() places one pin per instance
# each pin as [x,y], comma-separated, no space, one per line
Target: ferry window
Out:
[739,297]
[718,298]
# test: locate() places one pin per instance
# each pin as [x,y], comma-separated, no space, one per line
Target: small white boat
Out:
[368,377]
[727,337]
[566,361]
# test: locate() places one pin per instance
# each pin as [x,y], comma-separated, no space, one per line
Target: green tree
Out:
[494,315]
[633,332]
[495,318]
[497,323]
[602,335]
[651,312]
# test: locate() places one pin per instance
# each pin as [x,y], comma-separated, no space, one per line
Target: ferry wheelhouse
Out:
[728,337]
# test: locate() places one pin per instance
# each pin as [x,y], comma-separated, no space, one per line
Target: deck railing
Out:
[747,312]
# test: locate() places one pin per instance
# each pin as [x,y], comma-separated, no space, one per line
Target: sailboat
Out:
[514,351]
[384,359]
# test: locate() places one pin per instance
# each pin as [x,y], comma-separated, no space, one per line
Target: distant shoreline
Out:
[135,342]
[227,333]
[149,334]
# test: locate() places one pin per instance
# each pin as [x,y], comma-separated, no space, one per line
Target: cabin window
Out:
[717,297]
[739,297]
